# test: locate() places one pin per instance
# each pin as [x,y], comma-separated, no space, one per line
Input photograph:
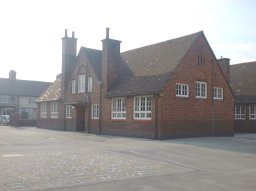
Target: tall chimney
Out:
[225,66]
[12,75]
[111,59]
[69,46]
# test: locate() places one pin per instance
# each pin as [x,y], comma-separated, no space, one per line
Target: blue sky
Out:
[31,30]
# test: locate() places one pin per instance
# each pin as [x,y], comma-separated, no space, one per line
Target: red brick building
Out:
[243,82]
[166,90]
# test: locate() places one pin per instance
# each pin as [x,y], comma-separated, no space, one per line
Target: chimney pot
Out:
[107,33]
[66,32]
[73,34]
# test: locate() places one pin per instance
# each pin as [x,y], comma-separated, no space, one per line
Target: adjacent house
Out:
[243,81]
[171,89]
[17,98]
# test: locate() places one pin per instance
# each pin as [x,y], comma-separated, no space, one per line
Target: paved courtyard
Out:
[39,159]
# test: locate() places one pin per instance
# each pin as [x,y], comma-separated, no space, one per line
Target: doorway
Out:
[80,118]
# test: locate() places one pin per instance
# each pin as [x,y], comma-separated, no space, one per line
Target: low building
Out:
[17,98]
[243,81]
[171,89]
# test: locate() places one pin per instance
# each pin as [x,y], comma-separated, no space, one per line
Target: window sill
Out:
[143,120]
[179,96]
[201,97]
[118,120]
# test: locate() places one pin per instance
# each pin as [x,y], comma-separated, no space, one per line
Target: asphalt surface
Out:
[39,159]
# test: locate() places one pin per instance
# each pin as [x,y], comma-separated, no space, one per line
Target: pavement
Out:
[33,159]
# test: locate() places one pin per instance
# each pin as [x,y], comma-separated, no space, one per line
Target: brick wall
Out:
[129,126]
[182,117]
[51,123]
[245,125]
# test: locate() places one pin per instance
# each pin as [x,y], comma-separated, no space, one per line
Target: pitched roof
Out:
[22,87]
[94,57]
[53,92]
[243,79]
[145,70]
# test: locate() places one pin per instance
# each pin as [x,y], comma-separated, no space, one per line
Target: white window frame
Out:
[217,93]
[89,84]
[182,90]
[4,99]
[239,112]
[73,87]
[201,89]
[54,110]
[118,109]
[142,107]
[252,112]
[69,111]
[43,110]
[95,111]
[81,83]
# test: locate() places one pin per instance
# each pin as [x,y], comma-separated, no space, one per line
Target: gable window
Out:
[142,107]
[217,93]
[201,90]
[4,99]
[95,111]
[73,86]
[182,90]
[43,110]
[89,85]
[69,111]
[54,110]
[239,112]
[252,112]
[119,108]
[201,59]
[81,84]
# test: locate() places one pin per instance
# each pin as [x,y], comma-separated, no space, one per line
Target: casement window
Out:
[182,90]
[119,108]
[252,112]
[31,100]
[81,84]
[201,90]
[89,85]
[26,113]
[73,86]
[69,111]
[239,112]
[142,107]
[95,111]
[54,110]
[43,110]
[4,99]
[217,93]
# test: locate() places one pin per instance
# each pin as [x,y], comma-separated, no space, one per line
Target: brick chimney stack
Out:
[225,66]
[111,59]
[12,75]
[69,50]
